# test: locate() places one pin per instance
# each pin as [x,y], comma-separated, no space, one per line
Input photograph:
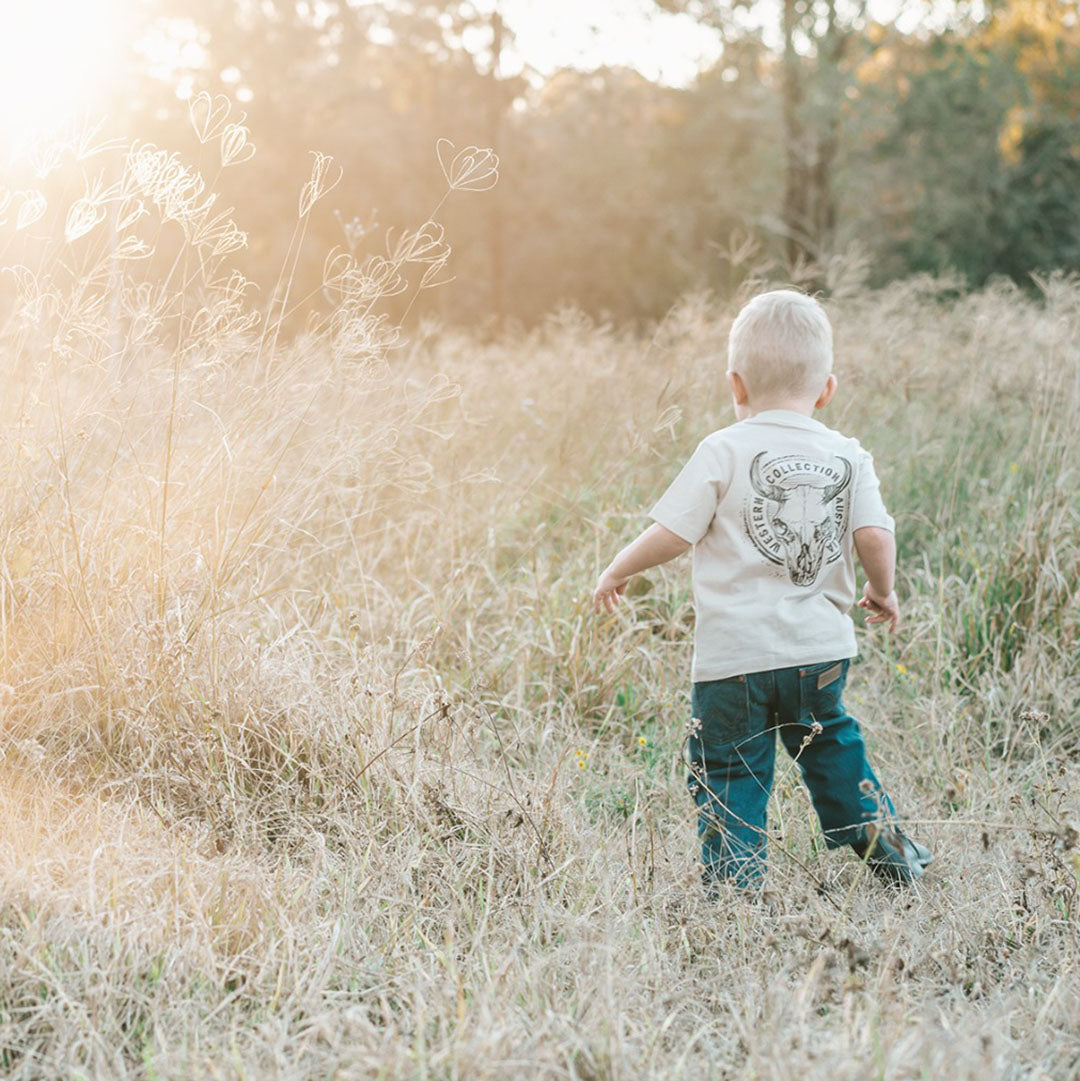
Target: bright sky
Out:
[664,47]
[56,56]
[592,33]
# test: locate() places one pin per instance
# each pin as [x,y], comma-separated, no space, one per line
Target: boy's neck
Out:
[751,409]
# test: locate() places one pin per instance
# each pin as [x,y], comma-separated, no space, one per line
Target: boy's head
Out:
[781,347]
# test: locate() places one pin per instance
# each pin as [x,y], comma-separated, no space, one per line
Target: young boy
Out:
[773,506]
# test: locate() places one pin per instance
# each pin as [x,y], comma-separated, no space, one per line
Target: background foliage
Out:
[956,147]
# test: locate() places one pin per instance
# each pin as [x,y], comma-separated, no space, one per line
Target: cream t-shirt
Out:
[770,505]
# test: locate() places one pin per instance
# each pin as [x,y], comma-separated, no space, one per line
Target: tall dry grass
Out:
[317,764]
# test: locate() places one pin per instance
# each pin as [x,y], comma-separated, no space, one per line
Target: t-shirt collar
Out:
[787,418]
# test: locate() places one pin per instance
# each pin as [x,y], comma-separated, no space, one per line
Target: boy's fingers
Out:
[608,599]
[603,599]
[881,616]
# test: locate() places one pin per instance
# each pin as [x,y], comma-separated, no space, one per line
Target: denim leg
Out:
[732,754]
[833,762]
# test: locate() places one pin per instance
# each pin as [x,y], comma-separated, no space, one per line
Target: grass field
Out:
[317,764]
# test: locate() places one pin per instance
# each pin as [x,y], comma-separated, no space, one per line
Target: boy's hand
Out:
[608,591]
[883,608]
[655,546]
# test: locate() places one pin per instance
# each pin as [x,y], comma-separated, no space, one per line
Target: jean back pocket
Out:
[820,690]
[723,708]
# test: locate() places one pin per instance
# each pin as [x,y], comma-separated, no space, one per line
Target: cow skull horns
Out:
[778,494]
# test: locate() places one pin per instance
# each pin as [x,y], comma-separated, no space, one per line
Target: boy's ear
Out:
[826,395]
[738,388]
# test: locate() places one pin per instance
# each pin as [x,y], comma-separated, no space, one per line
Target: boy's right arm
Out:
[681,517]
[654,546]
[877,554]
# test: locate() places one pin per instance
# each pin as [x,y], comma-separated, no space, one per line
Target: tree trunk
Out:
[495,107]
[794,214]
[822,199]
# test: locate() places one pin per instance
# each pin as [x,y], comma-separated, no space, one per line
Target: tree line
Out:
[946,148]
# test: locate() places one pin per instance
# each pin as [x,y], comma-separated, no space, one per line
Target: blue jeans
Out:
[732,753]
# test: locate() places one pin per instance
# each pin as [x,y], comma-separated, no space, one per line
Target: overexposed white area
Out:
[595,33]
[54,59]
[672,48]
[57,56]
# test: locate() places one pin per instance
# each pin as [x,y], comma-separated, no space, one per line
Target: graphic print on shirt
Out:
[797,514]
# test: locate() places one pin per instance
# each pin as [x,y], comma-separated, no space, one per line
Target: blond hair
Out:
[781,345]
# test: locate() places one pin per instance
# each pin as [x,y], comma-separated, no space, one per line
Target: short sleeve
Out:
[689,504]
[867,507]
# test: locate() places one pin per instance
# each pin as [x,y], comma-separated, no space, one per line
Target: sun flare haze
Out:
[55,59]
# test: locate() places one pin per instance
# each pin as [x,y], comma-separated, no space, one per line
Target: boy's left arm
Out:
[654,546]
[873,532]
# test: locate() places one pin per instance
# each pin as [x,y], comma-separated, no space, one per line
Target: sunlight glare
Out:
[55,58]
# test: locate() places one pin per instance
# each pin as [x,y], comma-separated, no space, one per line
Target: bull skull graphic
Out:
[802,517]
